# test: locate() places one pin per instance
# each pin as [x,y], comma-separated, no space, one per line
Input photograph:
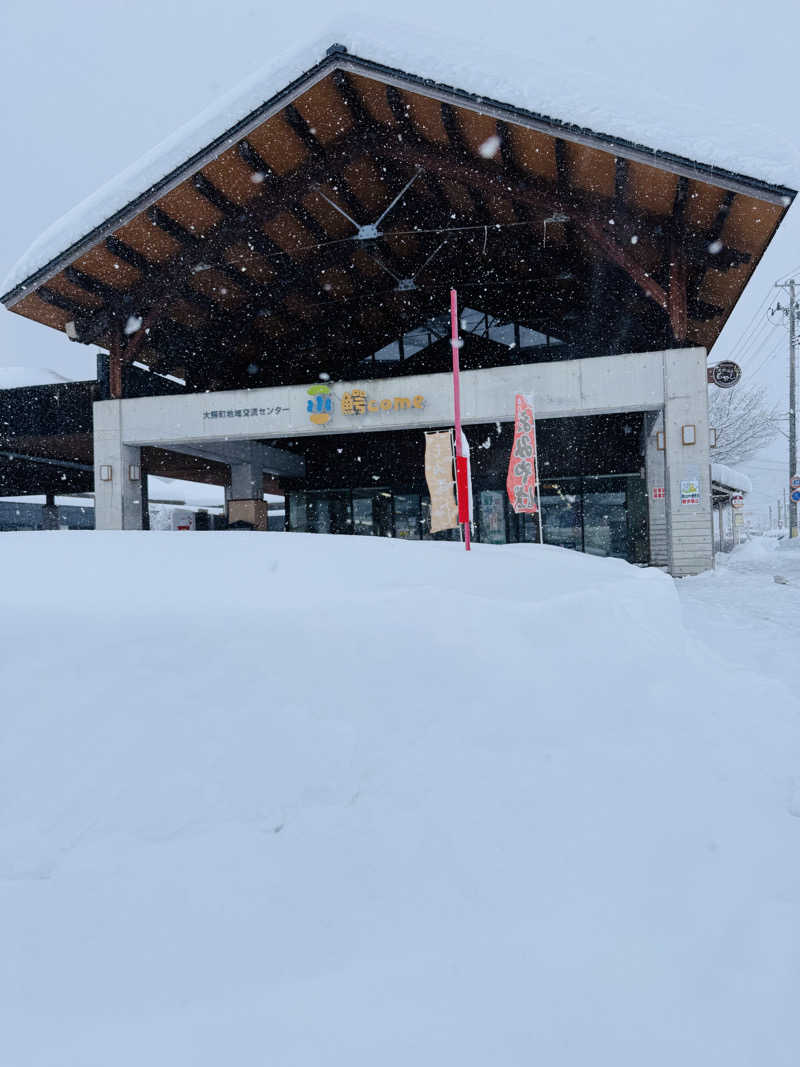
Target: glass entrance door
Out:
[492,516]
[605,518]
[406,516]
[561,513]
[329,513]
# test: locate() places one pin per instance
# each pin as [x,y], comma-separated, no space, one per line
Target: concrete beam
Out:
[266,458]
[633,382]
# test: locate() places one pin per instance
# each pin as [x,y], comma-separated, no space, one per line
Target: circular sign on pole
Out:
[737,501]
[726,374]
[794,481]
[795,495]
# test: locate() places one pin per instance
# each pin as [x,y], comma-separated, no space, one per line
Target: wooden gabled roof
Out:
[258,253]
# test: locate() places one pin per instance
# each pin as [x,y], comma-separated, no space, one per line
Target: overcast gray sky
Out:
[89,85]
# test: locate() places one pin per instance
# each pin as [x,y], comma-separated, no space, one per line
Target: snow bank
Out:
[605,105]
[301,800]
[732,479]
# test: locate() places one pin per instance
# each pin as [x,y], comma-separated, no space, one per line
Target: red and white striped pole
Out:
[462,481]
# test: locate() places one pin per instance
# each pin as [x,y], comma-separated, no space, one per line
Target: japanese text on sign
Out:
[243,413]
[521,480]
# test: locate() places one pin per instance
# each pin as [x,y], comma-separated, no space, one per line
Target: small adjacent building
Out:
[729,490]
[272,303]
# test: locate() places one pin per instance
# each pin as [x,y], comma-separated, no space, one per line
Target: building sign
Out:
[690,491]
[357,402]
[244,413]
[319,405]
[354,402]
[725,374]
[659,492]
[737,501]
[521,480]
[441,484]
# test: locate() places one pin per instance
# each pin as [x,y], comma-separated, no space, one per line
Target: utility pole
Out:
[770,517]
[791,313]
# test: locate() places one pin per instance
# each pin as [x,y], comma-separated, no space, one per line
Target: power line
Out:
[768,358]
[785,277]
[744,335]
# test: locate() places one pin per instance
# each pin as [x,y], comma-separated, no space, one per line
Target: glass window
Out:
[382,513]
[329,513]
[472,321]
[492,516]
[297,512]
[529,528]
[561,513]
[605,517]
[389,353]
[362,514]
[503,334]
[406,516]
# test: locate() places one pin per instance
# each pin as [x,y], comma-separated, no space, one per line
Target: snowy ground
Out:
[306,800]
[750,621]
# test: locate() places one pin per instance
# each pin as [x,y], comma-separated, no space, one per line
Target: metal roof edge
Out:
[338,57]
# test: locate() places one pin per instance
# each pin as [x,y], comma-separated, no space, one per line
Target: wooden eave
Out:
[240,247]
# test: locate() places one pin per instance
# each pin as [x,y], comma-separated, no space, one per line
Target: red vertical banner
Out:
[462,487]
[521,480]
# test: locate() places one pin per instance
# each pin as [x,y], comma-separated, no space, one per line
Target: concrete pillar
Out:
[49,513]
[656,488]
[690,545]
[119,499]
[246,481]
[245,496]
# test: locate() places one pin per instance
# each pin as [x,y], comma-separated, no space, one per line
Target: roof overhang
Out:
[209,247]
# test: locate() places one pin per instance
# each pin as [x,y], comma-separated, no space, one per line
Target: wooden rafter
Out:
[623,259]
[453,174]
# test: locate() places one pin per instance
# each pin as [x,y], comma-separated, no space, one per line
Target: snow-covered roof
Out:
[580,105]
[730,478]
[17,377]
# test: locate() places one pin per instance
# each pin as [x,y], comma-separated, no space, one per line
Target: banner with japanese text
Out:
[441,483]
[521,480]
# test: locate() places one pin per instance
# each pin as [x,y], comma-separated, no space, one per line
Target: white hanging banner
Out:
[441,483]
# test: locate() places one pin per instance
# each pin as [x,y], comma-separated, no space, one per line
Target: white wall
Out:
[577,387]
[690,540]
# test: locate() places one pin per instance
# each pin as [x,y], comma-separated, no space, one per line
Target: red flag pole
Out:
[461,462]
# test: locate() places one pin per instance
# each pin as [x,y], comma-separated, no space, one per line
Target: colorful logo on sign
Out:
[320,404]
[356,402]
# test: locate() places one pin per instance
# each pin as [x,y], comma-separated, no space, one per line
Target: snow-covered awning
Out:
[728,478]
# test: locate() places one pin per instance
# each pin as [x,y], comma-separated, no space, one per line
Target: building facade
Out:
[272,311]
[622,447]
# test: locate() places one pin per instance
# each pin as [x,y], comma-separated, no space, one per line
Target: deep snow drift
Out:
[302,800]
